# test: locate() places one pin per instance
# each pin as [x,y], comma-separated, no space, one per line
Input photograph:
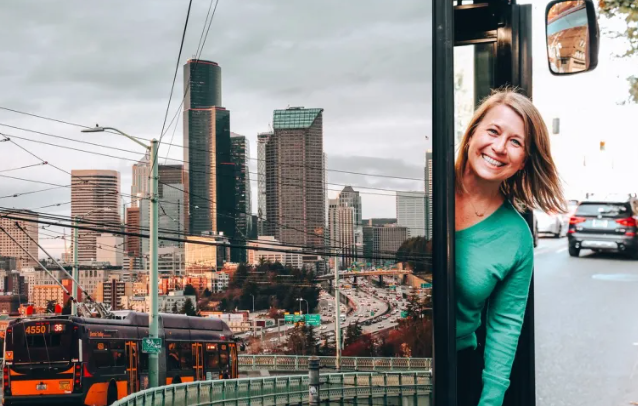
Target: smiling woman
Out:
[504,167]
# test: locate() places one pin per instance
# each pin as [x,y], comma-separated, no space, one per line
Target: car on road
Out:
[550,223]
[605,224]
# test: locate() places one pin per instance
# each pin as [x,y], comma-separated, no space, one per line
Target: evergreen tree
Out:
[188,308]
[353,333]
[189,290]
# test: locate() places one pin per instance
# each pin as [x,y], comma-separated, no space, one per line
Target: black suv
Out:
[607,224]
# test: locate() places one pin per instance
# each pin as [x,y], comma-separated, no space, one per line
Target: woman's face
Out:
[497,148]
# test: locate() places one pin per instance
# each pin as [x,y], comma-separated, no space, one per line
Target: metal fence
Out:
[290,390]
[300,363]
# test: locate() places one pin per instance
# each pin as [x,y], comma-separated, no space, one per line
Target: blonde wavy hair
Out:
[537,185]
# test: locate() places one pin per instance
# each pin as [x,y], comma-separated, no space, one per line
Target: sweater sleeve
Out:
[503,326]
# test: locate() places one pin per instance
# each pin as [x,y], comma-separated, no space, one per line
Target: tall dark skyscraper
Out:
[209,175]
[295,199]
[205,79]
[240,153]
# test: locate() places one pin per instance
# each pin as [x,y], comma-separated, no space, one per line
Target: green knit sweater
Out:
[494,260]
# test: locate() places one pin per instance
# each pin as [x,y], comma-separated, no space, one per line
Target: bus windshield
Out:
[42,342]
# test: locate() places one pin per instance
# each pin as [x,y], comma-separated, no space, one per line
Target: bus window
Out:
[186,356]
[224,361]
[100,354]
[172,356]
[212,357]
[117,353]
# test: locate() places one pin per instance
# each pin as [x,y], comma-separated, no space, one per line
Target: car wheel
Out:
[574,252]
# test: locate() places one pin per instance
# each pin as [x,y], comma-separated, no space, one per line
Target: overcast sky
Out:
[366,62]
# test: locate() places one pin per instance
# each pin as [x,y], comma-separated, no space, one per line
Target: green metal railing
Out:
[289,390]
[300,363]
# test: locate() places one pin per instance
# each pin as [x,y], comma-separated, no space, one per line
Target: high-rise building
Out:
[203,84]
[168,175]
[8,248]
[95,191]
[381,243]
[133,243]
[410,208]
[140,183]
[294,178]
[428,194]
[351,198]
[209,175]
[240,153]
[341,229]
[262,140]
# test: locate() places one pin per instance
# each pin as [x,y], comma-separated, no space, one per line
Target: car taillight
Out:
[576,220]
[77,378]
[628,222]
[5,381]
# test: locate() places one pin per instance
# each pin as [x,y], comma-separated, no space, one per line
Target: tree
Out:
[51,306]
[627,11]
[189,290]
[67,307]
[207,292]
[416,252]
[240,276]
[353,333]
[188,308]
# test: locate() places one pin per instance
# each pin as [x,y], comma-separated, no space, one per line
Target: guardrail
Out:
[300,363]
[288,390]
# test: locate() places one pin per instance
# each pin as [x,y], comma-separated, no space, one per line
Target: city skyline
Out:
[298,64]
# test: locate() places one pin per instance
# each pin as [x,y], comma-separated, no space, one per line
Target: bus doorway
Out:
[488,43]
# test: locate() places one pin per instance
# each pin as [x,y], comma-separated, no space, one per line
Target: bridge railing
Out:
[300,363]
[286,390]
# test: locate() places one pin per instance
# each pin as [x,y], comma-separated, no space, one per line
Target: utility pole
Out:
[153,358]
[337,314]
[76,268]
[153,319]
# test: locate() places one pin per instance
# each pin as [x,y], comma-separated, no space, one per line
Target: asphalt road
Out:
[586,327]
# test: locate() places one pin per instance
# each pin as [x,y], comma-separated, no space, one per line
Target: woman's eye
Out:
[517,143]
[492,131]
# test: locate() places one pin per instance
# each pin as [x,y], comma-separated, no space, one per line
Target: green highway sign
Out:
[426,285]
[393,287]
[313,319]
[404,314]
[288,318]
[151,345]
[298,318]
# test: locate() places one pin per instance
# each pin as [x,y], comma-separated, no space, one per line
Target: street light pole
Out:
[337,314]
[153,359]
[253,303]
[153,332]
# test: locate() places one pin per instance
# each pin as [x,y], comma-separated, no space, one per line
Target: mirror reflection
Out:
[568,37]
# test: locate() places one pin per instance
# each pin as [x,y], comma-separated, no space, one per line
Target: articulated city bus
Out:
[94,361]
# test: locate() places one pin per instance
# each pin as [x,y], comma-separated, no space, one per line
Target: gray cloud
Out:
[367,63]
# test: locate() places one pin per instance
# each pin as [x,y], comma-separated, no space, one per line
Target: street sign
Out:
[393,287]
[298,317]
[404,314]
[426,285]
[151,345]
[313,319]
[288,318]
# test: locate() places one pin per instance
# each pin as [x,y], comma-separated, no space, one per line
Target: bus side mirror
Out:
[572,36]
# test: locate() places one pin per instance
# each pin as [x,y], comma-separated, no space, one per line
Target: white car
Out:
[554,224]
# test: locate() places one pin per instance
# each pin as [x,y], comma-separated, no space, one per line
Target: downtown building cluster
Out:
[206,224]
